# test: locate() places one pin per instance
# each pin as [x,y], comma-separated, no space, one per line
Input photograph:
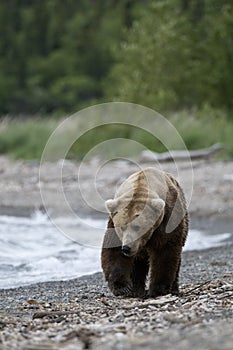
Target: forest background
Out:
[57,57]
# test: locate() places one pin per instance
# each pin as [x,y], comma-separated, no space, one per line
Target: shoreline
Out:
[71,314]
[81,313]
[32,271]
[219,250]
[207,254]
[212,223]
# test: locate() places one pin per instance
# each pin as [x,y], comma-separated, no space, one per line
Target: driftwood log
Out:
[149,156]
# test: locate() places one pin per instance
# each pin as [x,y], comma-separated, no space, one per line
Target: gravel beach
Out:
[82,313]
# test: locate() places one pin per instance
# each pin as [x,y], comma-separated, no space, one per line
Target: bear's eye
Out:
[123,227]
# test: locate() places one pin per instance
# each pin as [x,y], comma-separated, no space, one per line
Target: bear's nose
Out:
[126,250]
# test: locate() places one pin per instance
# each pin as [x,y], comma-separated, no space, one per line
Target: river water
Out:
[34,249]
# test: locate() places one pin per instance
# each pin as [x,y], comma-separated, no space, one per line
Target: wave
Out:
[34,250]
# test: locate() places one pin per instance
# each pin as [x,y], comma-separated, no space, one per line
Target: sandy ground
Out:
[82,313]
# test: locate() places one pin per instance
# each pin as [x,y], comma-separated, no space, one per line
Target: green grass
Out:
[26,139]
[204,128]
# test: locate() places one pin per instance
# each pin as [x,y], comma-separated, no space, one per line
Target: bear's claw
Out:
[125,291]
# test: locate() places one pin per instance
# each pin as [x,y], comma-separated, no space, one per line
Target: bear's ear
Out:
[111,205]
[158,204]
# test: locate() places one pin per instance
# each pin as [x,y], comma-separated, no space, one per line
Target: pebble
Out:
[205,306]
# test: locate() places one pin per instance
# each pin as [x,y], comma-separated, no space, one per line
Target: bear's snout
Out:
[126,250]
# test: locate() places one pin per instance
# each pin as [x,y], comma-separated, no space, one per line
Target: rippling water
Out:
[34,250]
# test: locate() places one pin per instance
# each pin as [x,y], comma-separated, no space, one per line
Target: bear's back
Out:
[151,182]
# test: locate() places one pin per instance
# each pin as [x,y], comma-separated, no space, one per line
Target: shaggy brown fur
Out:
[160,256]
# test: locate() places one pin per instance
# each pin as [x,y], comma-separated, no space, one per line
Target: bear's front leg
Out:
[117,268]
[164,272]
[140,271]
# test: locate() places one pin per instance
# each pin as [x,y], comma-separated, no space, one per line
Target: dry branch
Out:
[204,153]
[52,314]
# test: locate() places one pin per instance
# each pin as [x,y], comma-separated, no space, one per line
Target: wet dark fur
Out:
[160,256]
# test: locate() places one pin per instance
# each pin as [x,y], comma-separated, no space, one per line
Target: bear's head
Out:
[135,221]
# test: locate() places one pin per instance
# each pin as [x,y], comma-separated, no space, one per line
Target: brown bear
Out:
[147,228]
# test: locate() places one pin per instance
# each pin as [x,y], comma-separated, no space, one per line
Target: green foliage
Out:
[103,133]
[55,54]
[177,56]
[166,54]
[204,128]
[59,56]
[25,139]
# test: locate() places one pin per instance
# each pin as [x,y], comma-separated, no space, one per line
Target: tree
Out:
[56,54]
[177,56]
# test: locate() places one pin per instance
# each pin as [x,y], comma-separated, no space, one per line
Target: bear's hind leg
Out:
[164,272]
[175,285]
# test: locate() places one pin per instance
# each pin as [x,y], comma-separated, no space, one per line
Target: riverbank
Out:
[83,314]
[84,187]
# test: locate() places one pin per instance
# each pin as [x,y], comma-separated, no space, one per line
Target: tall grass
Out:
[204,128]
[26,139]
